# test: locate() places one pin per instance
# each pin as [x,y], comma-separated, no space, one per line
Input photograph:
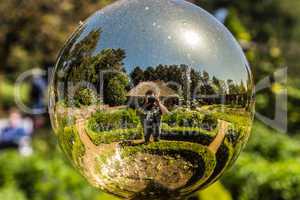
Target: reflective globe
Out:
[151,99]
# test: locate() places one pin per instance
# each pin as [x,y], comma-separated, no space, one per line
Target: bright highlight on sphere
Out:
[191,38]
[142,109]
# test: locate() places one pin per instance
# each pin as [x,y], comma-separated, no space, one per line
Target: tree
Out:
[116,90]
[75,63]
[107,61]
[150,74]
[32,32]
[85,97]
[137,75]
[78,64]
[218,85]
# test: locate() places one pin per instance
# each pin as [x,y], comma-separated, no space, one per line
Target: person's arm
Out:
[162,107]
[140,111]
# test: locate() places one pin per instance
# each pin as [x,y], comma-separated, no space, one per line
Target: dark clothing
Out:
[154,130]
[38,87]
[151,121]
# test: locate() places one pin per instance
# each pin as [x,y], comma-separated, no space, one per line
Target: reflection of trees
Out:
[202,86]
[166,73]
[65,64]
[105,72]
[79,63]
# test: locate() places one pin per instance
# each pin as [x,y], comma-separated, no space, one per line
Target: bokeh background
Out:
[33,31]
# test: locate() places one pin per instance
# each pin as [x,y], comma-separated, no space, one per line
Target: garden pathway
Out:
[92,151]
[217,142]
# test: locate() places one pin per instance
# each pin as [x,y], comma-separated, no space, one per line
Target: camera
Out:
[151,99]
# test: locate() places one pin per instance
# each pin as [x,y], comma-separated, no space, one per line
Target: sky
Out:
[168,32]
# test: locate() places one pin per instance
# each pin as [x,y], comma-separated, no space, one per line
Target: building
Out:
[167,95]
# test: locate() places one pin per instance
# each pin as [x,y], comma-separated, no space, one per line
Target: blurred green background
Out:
[31,35]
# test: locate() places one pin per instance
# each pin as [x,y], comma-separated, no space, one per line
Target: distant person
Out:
[16,134]
[151,116]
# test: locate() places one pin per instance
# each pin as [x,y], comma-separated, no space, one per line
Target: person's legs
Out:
[156,132]
[147,133]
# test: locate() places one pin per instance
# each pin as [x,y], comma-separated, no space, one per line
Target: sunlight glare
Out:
[191,38]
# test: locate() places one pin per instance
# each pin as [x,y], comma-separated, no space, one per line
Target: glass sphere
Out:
[151,99]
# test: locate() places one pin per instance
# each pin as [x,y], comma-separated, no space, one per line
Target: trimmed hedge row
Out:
[71,144]
[187,134]
[117,135]
[239,119]
[223,160]
[106,127]
[208,166]
[109,120]
[185,118]
[174,148]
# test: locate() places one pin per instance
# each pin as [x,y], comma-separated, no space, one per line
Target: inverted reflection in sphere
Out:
[152,99]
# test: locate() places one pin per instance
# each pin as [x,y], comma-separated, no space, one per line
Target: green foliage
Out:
[216,191]
[234,117]
[264,180]
[7,93]
[11,193]
[106,127]
[167,147]
[224,157]
[190,118]
[116,90]
[116,135]
[109,120]
[71,144]
[32,32]
[183,118]
[272,145]
[85,97]
[192,134]
[175,129]
[209,121]
[269,170]
[64,121]
[41,177]
[174,74]
[113,126]
[236,26]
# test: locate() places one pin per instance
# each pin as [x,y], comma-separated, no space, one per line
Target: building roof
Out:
[159,87]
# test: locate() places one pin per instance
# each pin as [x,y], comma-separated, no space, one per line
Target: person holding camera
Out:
[151,116]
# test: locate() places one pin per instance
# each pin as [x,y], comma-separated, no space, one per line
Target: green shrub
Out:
[216,191]
[223,160]
[240,118]
[268,170]
[106,120]
[64,121]
[12,193]
[85,97]
[184,118]
[115,92]
[71,144]
[116,135]
[41,177]
[272,145]
[209,122]
[188,134]
[254,178]
[7,93]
